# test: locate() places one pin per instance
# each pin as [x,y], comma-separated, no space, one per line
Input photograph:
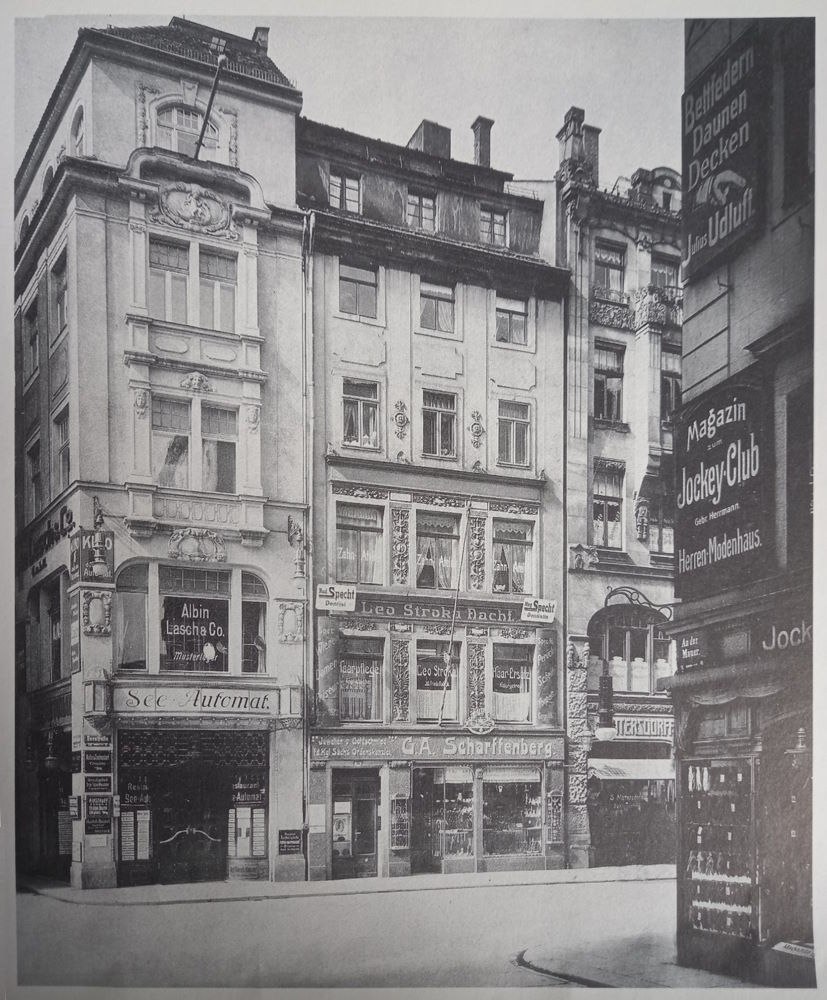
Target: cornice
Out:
[351,461]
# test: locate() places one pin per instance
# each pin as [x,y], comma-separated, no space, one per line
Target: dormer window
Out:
[178,129]
[218,44]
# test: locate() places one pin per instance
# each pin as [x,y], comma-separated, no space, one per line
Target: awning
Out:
[633,769]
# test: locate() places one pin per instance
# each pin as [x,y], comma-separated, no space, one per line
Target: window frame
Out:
[358,282]
[196,593]
[602,375]
[359,529]
[604,499]
[59,296]
[602,271]
[256,596]
[434,292]
[219,437]
[651,660]
[362,405]
[660,517]
[35,493]
[456,675]
[666,266]
[513,423]
[61,451]
[196,437]
[31,339]
[494,216]
[219,284]
[192,280]
[529,573]
[127,586]
[421,517]
[419,196]
[77,134]
[378,659]
[342,202]
[530,658]
[670,387]
[211,144]
[439,452]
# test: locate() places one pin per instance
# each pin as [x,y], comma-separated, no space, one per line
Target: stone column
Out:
[578,835]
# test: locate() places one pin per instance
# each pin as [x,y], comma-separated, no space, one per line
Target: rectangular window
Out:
[511,811]
[664,272]
[514,427]
[168,280]
[608,383]
[253,625]
[130,618]
[358,544]
[512,557]
[195,620]
[59,289]
[670,385]
[31,341]
[421,211]
[512,321]
[218,277]
[170,442]
[492,227]
[62,468]
[439,418]
[360,411]
[360,680]
[607,508]
[444,811]
[357,290]
[436,307]
[35,481]
[437,547]
[662,529]
[609,269]
[219,433]
[436,681]
[344,191]
[638,656]
[511,682]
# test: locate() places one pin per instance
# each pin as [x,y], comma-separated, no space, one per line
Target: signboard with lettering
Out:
[290,842]
[335,597]
[97,783]
[97,761]
[547,684]
[327,670]
[194,633]
[691,650]
[141,699]
[722,136]
[74,806]
[49,537]
[392,746]
[134,789]
[645,727]
[535,609]
[96,559]
[434,609]
[249,789]
[98,814]
[724,474]
[74,632]
[96,740]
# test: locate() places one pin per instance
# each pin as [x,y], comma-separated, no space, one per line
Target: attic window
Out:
[218,44]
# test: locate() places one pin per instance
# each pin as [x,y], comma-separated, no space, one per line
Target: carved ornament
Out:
[191,207]
[400,520]
[196,382]
[290,621]
[401,419]
[96,612]
[582,556]
[197,545]
[476,428]
[476,555]
[400,665]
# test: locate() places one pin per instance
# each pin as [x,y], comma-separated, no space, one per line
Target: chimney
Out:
[482,141]
[591,143]
[579,150]
[433,139]
[261,37]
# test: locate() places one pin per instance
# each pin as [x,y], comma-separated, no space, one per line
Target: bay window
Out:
[169,270]
[218,277]
[195,610]
[182,433]
[130,617]
[511,682]
[511,811]
[437,547]
[437,681]
[176,267]
[360,680]
[358,544]
[360,406]
[512,557]
[633,644]
[171,442]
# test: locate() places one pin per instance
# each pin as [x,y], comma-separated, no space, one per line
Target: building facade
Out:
[744,475]
[160,579]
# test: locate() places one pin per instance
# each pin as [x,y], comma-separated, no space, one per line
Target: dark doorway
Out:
[356,798]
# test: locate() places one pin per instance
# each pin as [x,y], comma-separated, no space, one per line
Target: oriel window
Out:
[219,433]
[170,442]
[360,405]
[218,277]
[358,543]
[670,384]
[168,280]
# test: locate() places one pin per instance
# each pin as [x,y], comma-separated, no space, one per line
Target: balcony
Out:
[609,307]
[660,304]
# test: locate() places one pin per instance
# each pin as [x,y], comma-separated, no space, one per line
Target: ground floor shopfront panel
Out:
[400,804]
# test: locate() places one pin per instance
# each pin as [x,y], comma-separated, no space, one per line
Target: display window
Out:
[511,811]
[360,680]
[130,618]
[443,816]
[437,681]
[511,682]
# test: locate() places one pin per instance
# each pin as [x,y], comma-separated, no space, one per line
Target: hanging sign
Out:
[335,597]
[535,609]
[96,556]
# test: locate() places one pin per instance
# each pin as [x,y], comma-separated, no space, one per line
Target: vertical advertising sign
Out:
[327,670]
[722,117]
[724,474]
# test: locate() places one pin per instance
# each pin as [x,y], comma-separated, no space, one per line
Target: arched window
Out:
[78,145]
[47,179]
[130,618]
[629,639]
[254,625]
[178,128]
[24,228]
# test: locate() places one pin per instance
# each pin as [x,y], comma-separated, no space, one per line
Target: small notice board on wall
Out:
[400,824]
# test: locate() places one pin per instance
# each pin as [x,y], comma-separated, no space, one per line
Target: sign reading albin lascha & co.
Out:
[723,488]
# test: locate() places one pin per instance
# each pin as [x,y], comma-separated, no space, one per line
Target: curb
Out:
[521,960]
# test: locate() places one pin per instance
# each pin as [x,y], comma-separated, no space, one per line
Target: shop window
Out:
[34,481]
[421,211]
[31,341]
[514,427]
[360,680]
[61,456]
[78,146]
[218,278]
[664,271]
[609,271]
[436,307]
[360,413]
[492,227]
[170,442]
[130,617]
[344,191]
[178,128]
[512,321]
[439,422]
[511,811]
[437,547]
[607,507]
[442,816]
[53,604]
[799,108]
[357,290]
[800,473]
[59,292]
[247,816]
[168,280]
[219,433]
[661,528]
[358,544]
[195,615]
[512,557]
[628,660]
[637,651]
[253,625]
[437,681]
[670,385]
[511,682]
[608,383]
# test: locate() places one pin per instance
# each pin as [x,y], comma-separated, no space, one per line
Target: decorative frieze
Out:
[363,492]
[514,633]
[439,499]
[400,524]
[476,552]
[615,315]
[209,511]
[504,507]
[400,665]
[197,545]
[359,625]
[436,628]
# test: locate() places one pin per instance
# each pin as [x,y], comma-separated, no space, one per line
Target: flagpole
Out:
[454,613]
[222,59]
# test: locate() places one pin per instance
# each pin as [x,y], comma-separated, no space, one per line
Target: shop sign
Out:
[335,597]
[435,610]
[327,667]
[249,789]
[535,609]
[74,806]
[98,814]
[76,764]
[194,633]
[438,747]
[724,475]
[97,783]
[96,556]
[139,699]
[95,740]
[645,727]
[51,535]
[97,761]
[692,650]
[722,159]
[787,635]
[290,842]
[134,790]
[547,695]
[74,633]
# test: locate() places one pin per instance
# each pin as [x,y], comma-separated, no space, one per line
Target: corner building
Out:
[744,495]
[160,591]
[437,339]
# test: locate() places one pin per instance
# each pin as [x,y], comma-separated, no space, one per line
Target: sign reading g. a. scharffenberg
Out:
[722,116]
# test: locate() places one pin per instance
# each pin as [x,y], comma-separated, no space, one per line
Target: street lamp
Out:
[606,729]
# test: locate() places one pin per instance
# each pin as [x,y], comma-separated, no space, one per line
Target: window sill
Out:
[455,335]
[439,458]
[355,318]
[602,423]
[508,346]
[373,449]
[514,466]
[188,328]
[606,555]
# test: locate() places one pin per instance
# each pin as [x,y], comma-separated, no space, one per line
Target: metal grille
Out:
[145,749]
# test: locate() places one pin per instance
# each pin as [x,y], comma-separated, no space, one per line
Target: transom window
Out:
[358,543]
[178,128]
[607,507]
[609,268]
[670,384]
[492,226]
[439,420]
[436,681]
[514,433]
[437,547]
[608,383]
[344,191]
[664,272]
[512,561]
[360,406]
[511,682]
[360,680]
[512,325]
[436,307]
[357,290]
[421,211]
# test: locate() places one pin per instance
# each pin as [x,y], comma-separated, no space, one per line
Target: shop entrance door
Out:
[356,799]
[191,841]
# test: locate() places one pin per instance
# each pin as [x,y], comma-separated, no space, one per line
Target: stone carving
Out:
[554,819]
[141,403]
[644,242]
[402,458]
[582,556]
[253,418]
[232,145]
[659,306]
[611,314]
[437,629]
[290,621]
[197,545]
[438,500]
[191,207]
[642,518]
[96,612]
[295,532]
[401,419]
[514,633]
[343,489]
[577,714]
[478,467]
[476,678]
[514,508]
[181,509]
[142,121]
[577,789]
[480,724]
[476,428]
[359,625]
[400,521]
[400,658]
[476,554]
[196,382]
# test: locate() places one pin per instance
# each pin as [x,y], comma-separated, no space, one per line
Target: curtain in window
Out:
[172,463]
[431,686]
[436,551]
[360,682]
[511,683]
[512,543]
[358,544]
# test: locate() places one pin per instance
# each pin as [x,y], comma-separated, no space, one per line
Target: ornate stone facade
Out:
[476,680]
[476,552]
[400,660]
[197,545]
[400,526]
